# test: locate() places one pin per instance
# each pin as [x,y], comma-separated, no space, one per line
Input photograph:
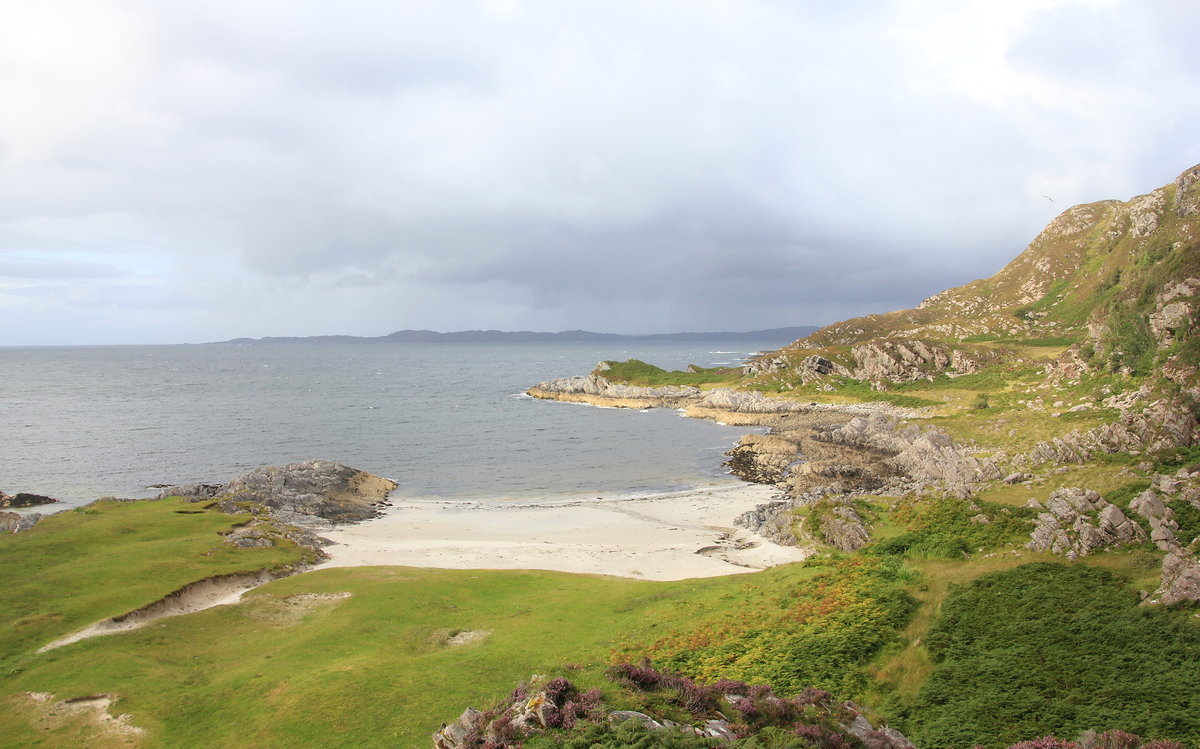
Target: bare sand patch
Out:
[285,612]
[664,537]
[89,718]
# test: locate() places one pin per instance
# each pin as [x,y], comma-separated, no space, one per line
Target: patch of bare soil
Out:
[197,596]
[284,612]
[86,721]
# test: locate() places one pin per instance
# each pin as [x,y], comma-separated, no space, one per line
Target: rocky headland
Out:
[315,493]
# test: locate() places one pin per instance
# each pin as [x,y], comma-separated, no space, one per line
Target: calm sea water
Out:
[445,420]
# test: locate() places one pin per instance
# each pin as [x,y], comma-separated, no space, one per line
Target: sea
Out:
[448,421]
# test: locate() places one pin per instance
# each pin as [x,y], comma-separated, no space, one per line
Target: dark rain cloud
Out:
[255,168]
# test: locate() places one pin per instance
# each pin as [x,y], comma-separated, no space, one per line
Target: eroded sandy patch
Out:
[89,719]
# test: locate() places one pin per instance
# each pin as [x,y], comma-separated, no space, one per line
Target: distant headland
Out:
[528,336]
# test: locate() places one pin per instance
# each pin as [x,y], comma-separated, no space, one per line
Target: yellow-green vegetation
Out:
[109,558]
[301,663]
[816,631]
[636,372]
[367,657]
[950,528]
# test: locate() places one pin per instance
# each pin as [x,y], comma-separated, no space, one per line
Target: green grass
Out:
[359,671]
[818,633]
[78,567]
[635,372]
[1055,648]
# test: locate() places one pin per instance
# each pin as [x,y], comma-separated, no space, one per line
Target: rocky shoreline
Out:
[831,455]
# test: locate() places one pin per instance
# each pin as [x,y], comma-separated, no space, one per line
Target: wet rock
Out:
[762,458]
[25,499]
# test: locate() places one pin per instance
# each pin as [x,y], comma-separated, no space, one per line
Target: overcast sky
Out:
[176,172]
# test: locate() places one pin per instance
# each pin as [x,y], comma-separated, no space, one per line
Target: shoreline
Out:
[673,536]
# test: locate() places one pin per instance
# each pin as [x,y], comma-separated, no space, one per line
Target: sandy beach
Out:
[662,537]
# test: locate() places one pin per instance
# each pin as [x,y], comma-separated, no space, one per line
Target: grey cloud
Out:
[536,162]
[49,269]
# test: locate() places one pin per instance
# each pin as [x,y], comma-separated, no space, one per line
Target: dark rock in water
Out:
[24,499]
[13,522]
[315,490]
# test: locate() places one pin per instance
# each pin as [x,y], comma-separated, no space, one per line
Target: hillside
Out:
[1047,412]
[1116,282]
[1000,489]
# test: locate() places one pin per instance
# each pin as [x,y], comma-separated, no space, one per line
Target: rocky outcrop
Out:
[260,534]
[1079,522]
[1163,424]
[314,492]
[720,712]
[762,458]
[928,455]
[1163,528]
[842,527]
[813,368]
[15,522]
[25,499]
[1175,310]
[1180,579]
[898,361]
[595,388]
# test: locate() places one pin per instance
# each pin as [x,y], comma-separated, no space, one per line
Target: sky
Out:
[188,172]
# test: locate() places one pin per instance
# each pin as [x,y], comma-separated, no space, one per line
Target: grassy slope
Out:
[81,566]
[372,669]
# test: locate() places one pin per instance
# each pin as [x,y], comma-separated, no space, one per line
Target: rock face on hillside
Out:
[13,522]
[1079,522]
[304,493]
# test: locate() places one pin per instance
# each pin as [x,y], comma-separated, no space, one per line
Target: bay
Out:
[446,420]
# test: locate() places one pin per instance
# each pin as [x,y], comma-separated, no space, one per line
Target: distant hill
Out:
[528,336]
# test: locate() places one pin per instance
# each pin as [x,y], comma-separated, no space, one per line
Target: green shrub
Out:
[818,633]
[1056,649]
[942,528]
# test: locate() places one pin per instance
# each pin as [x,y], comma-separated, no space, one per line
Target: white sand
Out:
[664,537]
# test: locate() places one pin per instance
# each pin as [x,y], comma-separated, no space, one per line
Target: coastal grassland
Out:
[636,372]
[109,558]
[345,657]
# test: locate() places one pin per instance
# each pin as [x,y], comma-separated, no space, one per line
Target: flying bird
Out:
[1047,197]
